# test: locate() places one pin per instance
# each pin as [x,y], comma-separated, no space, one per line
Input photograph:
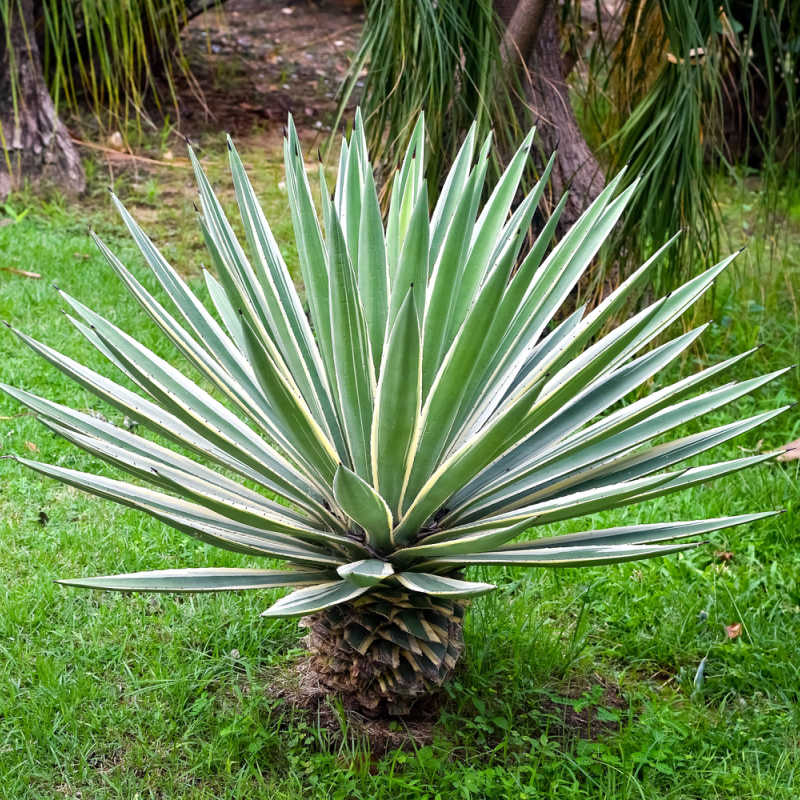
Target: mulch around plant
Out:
[590,708]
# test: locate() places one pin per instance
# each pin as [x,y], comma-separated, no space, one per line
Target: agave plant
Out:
[431,408]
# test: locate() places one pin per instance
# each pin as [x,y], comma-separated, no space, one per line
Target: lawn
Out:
[576,683]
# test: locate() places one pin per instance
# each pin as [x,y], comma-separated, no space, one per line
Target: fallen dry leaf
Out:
[24,272]
[791,451]
[116,141]
[734,631]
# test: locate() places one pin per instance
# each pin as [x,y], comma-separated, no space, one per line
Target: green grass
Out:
[110,696]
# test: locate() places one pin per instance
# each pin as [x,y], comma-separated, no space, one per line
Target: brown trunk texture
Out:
[34,143]
[385,650]
[547,92]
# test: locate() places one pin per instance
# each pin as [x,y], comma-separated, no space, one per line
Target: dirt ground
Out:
[258,60]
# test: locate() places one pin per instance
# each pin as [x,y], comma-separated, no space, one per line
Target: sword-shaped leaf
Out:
[650,533]
[588,556]
[397,407]
[351,352]
[213,579]
[373,273]
[314,598]
[364,506]
[367,572]
[288,325]
[442,586]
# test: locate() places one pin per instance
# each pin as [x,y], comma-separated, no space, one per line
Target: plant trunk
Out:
[532,38]
[34,144]
[385,650]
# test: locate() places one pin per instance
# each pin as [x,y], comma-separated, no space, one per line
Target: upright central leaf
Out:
[352,358]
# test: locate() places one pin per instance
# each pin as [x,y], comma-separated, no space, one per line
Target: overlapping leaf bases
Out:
[428,408]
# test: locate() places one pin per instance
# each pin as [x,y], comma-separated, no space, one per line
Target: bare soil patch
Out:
[258,60]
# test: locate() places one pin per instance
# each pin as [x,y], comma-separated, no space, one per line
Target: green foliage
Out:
[441,58]
[685,88]
[121,60]
[498,424]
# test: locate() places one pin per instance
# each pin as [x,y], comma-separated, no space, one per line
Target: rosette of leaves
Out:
[428,408]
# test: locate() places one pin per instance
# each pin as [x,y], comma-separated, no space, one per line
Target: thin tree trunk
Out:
[34,144]
[532,33]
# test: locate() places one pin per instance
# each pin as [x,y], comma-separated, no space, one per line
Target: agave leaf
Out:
[231,320]
[453,542]
[233,503]
[355,179]
[596,398]
[310,244]
[527,274]
[364,506]
[441,586]
[503,347]
[351,352]
[407,182]
[638,534]
[68,422]
[543,293]
[237,275]
[367,572]
[269,468]
[475,413]
[341,179]
[645,406]
[486,231]
[294,416]
[617,446]
[63,417]
[523,476]
[349,204]
[217,359]
[373,274]
[314,598]
[451,192]
[566,506]
[313,452]
[670,453]
[412,269]
[616,300]
[397,407]
[446,270]
[288,323]
[674,304]
[214,579]
[529,305]
[532,317]
[191,518]
[685,479]
[243,287]
[588,556]
[444,399]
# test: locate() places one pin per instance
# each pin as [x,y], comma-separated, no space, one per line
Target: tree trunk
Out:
[385,651]
[532,37]
[34,143]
